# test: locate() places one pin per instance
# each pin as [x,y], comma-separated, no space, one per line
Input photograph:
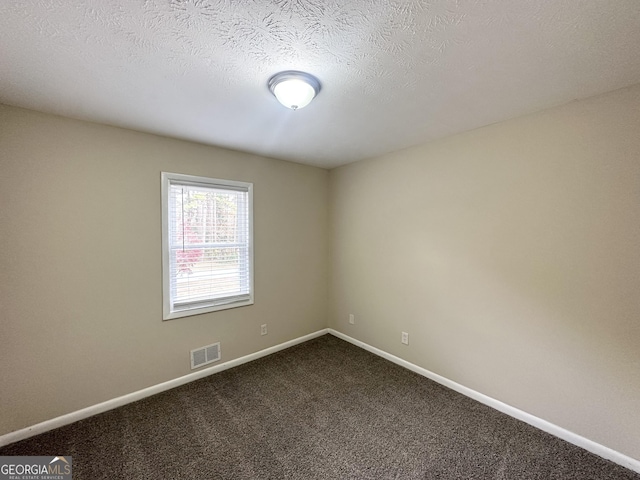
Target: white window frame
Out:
[168,312]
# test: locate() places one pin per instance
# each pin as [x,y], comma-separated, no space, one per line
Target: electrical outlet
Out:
[405,338]
[352,319]
[263,329]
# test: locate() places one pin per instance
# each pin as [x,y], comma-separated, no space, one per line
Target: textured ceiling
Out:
[393,73]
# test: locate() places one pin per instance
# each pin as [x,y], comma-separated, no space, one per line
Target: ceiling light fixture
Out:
[294,89]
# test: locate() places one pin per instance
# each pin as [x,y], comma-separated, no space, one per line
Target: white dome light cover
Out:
[294,89]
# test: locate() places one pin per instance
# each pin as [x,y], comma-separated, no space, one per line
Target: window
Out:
[207,244]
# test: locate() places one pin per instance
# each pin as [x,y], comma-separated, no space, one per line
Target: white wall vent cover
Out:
[205,355]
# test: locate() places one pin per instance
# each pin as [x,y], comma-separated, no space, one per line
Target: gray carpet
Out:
[324,409]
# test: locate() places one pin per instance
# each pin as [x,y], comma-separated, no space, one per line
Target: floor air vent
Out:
[205,355]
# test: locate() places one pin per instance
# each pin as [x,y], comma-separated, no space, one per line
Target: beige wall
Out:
[511,255]
[80,262]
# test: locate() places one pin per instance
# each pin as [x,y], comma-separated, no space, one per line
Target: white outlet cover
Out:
[352,319]
[405,338]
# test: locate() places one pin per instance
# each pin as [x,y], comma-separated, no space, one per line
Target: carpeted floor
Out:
[324,409]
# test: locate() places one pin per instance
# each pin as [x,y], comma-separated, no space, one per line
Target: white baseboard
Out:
[574,438]
[146,392]
[580,441]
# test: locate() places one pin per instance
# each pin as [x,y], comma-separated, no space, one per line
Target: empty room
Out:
[312,239]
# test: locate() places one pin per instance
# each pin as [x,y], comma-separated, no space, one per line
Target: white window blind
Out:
[207,243]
